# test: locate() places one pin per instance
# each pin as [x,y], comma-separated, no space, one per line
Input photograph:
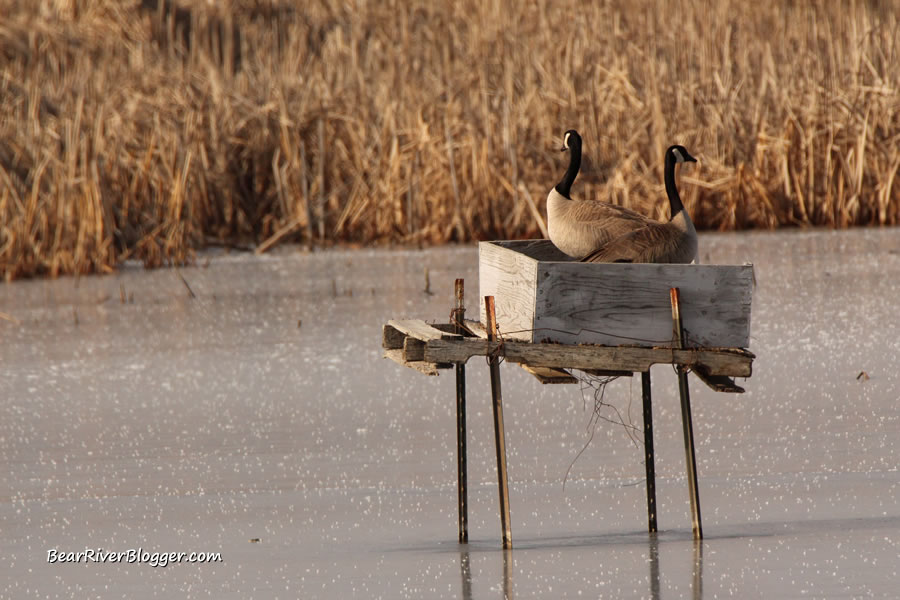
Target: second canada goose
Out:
[579,227]
[671,242]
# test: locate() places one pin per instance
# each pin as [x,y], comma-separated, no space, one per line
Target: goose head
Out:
[571,140]
[679,154]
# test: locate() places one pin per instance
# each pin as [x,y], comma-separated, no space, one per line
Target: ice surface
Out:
[259,420]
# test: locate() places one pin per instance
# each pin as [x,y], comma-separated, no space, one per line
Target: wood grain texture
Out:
[391,338]
[549,375]
[509,277]
[536,287]
[413,350]
[718,383]
[476,327]
[629,304]
[414,328]
[421,367]
[715,361]
[548,361]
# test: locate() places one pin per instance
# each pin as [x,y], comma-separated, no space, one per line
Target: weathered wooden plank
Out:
[420,366]
[725,361]
[608,373]
[718,383]
[542,295]
[548,375]
[413,349]
[509,277]
[391,338]
[420,330]
[629,304]
[451,328]
[476,328]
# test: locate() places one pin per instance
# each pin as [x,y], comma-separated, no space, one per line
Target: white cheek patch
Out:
[566,140]
[679,157]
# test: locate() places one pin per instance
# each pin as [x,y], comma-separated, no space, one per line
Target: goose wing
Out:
[653,243]
[578,227]
[598,223]
[606,216]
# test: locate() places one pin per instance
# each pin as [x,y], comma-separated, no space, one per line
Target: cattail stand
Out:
[552,315]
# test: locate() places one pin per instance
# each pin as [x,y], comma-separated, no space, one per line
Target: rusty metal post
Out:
[461,459]
[686,421]
[499,434]
[649,461]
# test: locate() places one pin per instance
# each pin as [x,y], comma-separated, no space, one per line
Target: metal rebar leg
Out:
[499,435]
[461,459]
[686,421]
[649,461]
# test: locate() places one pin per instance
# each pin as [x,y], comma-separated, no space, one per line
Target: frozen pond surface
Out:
[258,420]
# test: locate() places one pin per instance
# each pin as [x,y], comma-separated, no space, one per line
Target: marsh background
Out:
[149,129]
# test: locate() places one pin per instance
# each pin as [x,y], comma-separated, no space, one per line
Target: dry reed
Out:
[149,128]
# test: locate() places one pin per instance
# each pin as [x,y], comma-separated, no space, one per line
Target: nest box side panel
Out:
[628,304]
[510,277]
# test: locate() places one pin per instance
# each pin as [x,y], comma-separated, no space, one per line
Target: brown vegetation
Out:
[144,129]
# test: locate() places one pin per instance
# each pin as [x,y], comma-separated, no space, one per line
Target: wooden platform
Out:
[430,347]
[546,302]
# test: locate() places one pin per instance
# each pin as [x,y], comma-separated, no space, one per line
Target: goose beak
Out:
[563,149]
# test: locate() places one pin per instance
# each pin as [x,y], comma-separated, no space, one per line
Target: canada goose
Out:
[671,242]
[579,227]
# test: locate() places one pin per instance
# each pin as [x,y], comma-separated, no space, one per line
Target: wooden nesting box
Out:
[542,295]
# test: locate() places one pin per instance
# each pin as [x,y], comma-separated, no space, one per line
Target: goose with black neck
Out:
[580,227]
[672,242]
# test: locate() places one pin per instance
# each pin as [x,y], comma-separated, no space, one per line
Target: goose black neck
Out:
[675,205]
[564,187]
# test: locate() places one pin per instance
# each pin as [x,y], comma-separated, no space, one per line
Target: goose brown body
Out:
[579,227]
[672,242]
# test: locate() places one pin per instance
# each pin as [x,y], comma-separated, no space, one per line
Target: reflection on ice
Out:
[261,410]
